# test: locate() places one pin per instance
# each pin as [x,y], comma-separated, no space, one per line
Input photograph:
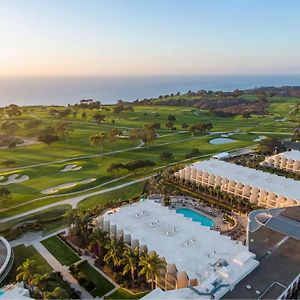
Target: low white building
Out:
[199,260]
[264,189]
[288,161]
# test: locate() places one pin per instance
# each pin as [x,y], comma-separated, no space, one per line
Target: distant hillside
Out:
[237,102]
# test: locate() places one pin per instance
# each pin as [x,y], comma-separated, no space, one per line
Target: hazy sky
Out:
[89,37]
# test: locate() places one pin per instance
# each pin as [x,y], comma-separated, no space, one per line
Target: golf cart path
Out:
[75,200]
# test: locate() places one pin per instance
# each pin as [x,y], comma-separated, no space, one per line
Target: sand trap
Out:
[71,167]
[260,138]
[54,189]
[14,178]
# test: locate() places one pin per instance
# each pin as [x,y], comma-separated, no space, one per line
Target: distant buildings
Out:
[263,189]
[288,161]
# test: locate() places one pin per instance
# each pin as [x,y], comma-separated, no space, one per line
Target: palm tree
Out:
[27,271]
[151,267]
[98,141]
[131,262]
[82,222]
[99,239]
[113,252]
[58,293]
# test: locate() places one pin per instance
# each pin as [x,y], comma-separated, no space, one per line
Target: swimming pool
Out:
[196,217]
[1,292]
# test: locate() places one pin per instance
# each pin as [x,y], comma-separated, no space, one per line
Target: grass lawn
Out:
[21,253]
[103,286]
[125,294]
[50,219]
[60,251]
[128,192]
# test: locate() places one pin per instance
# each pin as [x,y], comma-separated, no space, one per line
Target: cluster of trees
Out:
[120,107]
[200,127]
[147,134]
[194,153]
[51,134]
[44,286]
[130,264]
[13,111]
[130,166]
[270,146]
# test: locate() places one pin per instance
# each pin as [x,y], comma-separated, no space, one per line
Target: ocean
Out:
[109,89]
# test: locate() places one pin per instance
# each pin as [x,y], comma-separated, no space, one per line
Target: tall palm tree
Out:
[82,222]
[27,270]
[98,141]
[113,252]
[151,266]
[131,262]
[99,239]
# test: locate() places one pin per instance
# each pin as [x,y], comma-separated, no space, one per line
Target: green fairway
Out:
[44,164]
[125,294]
[64,254]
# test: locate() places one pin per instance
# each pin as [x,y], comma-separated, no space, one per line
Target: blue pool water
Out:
[1,292]
[196,217]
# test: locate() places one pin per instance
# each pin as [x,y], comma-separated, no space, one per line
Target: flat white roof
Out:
[203,253]
[294,154]
[280,185]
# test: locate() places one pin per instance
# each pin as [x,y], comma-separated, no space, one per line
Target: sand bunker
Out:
[14,178]
[260,138]
[69,168]
[57,188]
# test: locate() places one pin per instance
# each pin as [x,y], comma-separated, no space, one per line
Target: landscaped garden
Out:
[62,252]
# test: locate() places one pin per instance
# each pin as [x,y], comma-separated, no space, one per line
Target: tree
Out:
[26,271]
[166,156]
[115,167]
[149,134]
[48,135]
[99,118]
[99,239]
[9,127]
[194,153]
[131,262]
[113,253]
[184,125]
[33,124]
[63,129]
[5,195]
[58,293]
[171,118]
[151,267]
[113,137]
[13,111]
[169,125]
[270,146]
[135,133]
[98,141]
[84,115]
[137,164]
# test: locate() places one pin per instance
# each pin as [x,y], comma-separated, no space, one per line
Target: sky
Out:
[149,37]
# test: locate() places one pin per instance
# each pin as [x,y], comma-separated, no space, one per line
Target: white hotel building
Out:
[264,189]
[201,263]
[288,161]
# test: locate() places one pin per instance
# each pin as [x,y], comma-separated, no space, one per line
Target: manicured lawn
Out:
[21,253]
[60,251]
[103,286]
[124,294]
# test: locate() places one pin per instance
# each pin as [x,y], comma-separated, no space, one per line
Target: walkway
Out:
[57,267]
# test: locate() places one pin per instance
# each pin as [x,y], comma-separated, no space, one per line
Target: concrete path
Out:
[56,265]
